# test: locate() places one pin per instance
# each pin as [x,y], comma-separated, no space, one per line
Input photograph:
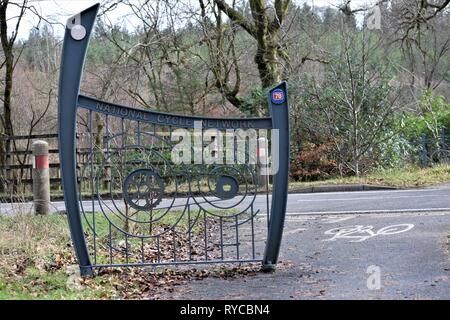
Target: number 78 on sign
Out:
[278,96]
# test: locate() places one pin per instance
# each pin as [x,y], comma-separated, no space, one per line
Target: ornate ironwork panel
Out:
[130,204]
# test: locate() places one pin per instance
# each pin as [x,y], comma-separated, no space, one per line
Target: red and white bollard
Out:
[41,177]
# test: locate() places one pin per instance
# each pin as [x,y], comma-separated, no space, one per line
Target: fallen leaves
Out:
[48,268]
[153,283]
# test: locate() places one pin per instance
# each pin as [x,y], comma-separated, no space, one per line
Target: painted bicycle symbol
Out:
[360,233]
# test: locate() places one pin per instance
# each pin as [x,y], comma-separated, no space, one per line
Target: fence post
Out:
[10,182]
[444,144]
[424,152]
[41,177]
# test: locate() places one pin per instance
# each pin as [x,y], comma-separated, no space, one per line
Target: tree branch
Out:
[281,8]
[236,17]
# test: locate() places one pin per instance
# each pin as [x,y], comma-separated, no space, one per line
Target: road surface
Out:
[416,200]
[348,256]
[344,245]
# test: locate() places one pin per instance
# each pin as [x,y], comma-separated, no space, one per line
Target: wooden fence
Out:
[17,166]
[16,183]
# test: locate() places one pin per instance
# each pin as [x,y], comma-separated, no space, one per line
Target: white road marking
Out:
[318,194]
[362,233]
[366,211]
[326,219]
[369,198]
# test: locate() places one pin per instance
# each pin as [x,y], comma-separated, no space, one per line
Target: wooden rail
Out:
[16,164]
[16,171]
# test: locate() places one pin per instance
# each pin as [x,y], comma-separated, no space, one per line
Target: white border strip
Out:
[367,211]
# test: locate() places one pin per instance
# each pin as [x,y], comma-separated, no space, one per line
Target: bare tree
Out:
[8,41]
[420,30]
[352,104]
[162,56]
[412,14]
[12,14]
[264,27]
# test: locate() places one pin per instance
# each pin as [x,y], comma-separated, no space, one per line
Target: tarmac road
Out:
[415,200]
[364,256]
[345,245]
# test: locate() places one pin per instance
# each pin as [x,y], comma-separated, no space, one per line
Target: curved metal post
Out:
[76,40]
[279,110]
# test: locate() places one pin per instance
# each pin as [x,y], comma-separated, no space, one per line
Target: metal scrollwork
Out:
[143,189]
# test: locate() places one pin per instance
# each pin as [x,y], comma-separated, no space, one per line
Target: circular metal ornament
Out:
[227,187]
[78,32]
[143,189]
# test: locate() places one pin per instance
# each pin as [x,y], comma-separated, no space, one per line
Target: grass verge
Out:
[37,262]
[409,177]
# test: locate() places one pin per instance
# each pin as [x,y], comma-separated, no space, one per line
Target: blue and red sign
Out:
[278,96]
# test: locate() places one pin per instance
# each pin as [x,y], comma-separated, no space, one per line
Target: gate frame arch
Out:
[71,70]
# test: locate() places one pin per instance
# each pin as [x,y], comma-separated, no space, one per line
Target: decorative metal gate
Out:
[128,204]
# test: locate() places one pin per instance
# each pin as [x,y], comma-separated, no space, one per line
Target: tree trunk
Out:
[266,59]
[264,29]
[7,46]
